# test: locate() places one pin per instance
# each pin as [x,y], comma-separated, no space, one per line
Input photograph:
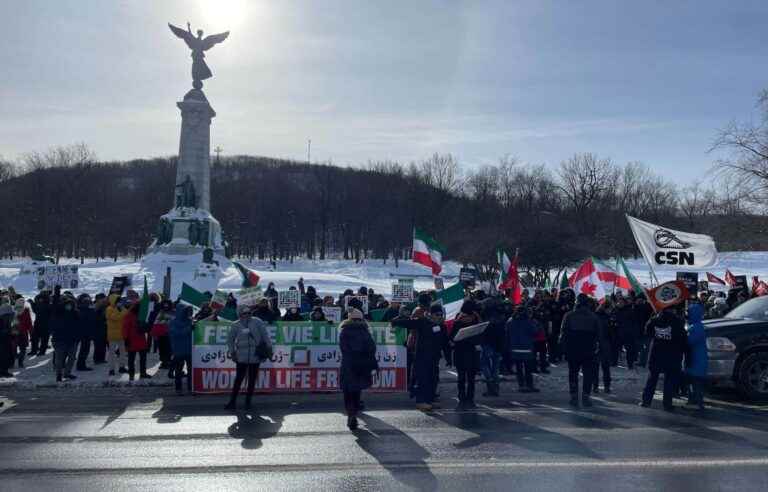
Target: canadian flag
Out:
[593,278]
[730,279]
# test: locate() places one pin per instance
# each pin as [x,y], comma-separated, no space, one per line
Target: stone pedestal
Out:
[189,227]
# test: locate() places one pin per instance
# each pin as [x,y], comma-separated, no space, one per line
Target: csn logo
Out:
[666,239]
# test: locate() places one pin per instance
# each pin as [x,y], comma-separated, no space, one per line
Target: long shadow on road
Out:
[392,448]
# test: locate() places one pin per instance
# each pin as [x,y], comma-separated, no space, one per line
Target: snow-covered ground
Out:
[328,276]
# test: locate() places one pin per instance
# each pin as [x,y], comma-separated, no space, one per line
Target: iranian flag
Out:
[509,278]
[593,278]
[625,280]
[451,298]
[730,279]
[427,252]
[250,278]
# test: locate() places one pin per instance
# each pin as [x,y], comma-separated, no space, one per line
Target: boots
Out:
[352,422]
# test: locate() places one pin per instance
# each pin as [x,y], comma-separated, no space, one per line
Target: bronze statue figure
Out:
[198,45]
[186,197]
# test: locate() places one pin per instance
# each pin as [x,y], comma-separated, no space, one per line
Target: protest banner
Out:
[249,296]
[363,300]
[402,291]
[287,299]
[65,276]
[306,358]
[439,283]
[332,313]
[468,276]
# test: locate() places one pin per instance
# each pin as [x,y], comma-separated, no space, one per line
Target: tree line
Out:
[77,206]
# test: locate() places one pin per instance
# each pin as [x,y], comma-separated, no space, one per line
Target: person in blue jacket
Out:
[180,338]
[697,352]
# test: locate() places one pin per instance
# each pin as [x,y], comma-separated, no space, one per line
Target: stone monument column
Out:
[195,149]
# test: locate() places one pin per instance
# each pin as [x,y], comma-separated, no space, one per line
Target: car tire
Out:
[753,377]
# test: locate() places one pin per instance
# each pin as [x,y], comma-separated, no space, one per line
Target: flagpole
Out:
[637,242]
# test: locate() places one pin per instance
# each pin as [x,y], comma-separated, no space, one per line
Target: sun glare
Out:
[224,14]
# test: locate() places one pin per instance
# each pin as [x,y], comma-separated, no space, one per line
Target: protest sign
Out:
[119,284]
[741,283]
[363,300]
[287,299]
[402,291]
[66,276]
[691,281]
[306,358]
[439,283]
[332,313]
[249,296]
[703,286]
[468,276]
[219,299]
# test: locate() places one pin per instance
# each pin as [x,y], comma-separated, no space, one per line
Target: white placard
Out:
[287,299]
[332,313]
[470,331]
[66,276]
[402,291]
[363,299]
[249,296]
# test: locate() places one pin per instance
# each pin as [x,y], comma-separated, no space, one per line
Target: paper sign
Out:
[402,291]
[470,331]
[287,299]
[363,300]
[66,276]
[249,296]
[332,313]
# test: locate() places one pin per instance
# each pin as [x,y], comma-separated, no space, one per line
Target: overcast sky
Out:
[631,80]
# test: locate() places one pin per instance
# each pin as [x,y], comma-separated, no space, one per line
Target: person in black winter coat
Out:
[466,354]
[428,346]
[643,312]
[358,361]
[579,339]
[627,332]
[606,344]
[493,345]
[100,330]
[88,327]
[65,331]
[41,333]
[264,312]
[669,341]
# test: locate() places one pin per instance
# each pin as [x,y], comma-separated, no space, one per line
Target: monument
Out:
[189,227]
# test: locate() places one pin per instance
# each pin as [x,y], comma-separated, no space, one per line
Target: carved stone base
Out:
[185,231]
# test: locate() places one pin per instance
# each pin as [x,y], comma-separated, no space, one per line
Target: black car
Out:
[738,349]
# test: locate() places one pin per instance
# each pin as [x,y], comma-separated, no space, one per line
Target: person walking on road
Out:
[249,346]
[669,342]
[579,339]
[358,361]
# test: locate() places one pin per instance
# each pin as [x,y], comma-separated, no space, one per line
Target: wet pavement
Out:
[148,438]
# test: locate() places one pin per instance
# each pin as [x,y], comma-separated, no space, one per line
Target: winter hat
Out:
[436,309]
[469,307]
[355,314]
[242,309]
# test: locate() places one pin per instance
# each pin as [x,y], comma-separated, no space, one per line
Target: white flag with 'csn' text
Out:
[663,247]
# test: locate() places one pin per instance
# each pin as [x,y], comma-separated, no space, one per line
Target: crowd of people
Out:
[545,328]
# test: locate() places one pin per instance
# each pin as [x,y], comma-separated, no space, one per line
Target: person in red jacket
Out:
[135,343]
[22,327]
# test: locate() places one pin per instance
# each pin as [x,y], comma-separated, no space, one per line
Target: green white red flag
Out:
[427,252]
[625,280]
[509,277]
[250,278]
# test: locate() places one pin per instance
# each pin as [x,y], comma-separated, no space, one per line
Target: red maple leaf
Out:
[588,289]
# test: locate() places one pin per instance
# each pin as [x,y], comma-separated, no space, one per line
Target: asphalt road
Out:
[144,438]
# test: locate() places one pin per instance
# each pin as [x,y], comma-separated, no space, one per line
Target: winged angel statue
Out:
[198,45]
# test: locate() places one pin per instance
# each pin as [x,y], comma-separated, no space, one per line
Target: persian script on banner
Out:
[662,246]
[306,358]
